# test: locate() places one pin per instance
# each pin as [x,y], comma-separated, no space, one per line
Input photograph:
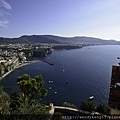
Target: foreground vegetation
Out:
[23,103]
[88,105]
[66,104]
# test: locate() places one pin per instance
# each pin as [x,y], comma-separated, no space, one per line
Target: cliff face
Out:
[37,53]
[51,39]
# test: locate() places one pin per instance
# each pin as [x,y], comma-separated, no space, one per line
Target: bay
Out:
[76,74]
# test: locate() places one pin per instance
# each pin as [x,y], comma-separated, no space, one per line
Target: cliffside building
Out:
[114,96]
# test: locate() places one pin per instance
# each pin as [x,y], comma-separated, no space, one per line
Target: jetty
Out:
[48,62]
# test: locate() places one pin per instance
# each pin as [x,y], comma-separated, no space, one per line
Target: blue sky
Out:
[95,18]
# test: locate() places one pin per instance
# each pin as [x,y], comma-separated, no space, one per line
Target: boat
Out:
[51,81]
[49,88]
[91,97]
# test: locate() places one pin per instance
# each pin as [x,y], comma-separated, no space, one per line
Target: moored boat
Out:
[91,97]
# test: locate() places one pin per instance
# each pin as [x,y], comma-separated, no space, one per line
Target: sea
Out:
[75,76]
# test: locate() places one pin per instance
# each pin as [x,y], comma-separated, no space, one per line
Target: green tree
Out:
[14,102]
[24,102]
[102,108]
[34,108]
[31,87]
[88,105]
[4,102]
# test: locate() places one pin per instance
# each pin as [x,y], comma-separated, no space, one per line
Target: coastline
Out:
[19,66]
[27,63]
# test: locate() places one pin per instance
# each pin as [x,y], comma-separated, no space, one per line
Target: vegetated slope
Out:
[95,40]
[38,39]
[57,40]
[74,40]
[12,40]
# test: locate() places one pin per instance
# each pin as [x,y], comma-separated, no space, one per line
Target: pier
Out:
[48,62]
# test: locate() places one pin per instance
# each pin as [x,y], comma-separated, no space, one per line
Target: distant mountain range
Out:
[32,39]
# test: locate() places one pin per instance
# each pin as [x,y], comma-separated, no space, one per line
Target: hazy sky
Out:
[95,18]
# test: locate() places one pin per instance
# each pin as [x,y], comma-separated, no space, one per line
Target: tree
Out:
[88,105]
[4,102]
[31,87]
[102,108]
[34,108]
[14,102]
[24,102]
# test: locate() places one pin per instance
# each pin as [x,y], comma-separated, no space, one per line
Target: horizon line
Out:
[58,35]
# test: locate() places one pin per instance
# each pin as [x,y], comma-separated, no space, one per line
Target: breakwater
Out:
[48,62]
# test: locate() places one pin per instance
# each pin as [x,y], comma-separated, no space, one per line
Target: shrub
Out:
[66,104]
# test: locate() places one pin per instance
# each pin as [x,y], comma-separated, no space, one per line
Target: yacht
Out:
[91,97]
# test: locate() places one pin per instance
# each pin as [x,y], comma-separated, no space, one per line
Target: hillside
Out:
[51,39]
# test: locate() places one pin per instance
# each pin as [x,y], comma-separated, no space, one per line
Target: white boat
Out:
[50,81]
[91,97]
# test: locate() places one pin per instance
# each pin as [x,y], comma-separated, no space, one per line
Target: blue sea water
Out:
[87,72]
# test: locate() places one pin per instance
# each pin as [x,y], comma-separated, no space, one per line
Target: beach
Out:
[20,65]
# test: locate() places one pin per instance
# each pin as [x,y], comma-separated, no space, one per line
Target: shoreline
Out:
[19,66]
[27,63]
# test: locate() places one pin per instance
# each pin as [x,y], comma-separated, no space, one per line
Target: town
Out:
[13,55]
